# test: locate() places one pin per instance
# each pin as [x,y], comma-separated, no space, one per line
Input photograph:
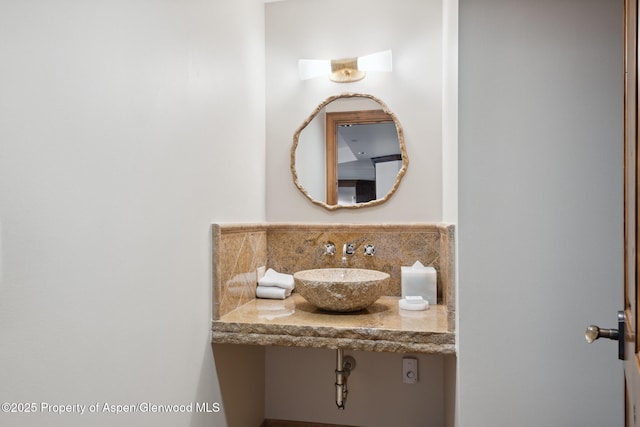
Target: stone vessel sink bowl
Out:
[341,289]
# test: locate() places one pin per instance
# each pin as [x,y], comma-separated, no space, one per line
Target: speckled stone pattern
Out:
[295,322]
[301,247]
[341,289]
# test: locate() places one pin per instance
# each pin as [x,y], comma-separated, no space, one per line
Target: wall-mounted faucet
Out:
[347,249]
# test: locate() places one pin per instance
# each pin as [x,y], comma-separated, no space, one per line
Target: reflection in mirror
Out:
[349,153]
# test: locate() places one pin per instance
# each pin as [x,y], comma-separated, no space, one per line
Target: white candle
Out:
[419,280]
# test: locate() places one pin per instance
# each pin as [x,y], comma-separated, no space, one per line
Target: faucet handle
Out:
[349,249]
[329,249]
[369,250]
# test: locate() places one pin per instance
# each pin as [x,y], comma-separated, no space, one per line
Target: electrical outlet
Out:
[409,370]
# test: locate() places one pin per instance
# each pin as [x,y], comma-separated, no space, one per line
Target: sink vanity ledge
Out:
[296,323]
[239,250]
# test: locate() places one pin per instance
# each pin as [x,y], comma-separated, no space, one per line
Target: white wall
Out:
[118,121]
[540,212]
[332,29]
[121,125]
[377,396]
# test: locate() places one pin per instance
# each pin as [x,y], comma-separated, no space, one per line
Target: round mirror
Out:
[349,153]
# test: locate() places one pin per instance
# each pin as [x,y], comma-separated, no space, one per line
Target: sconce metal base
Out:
[346,71]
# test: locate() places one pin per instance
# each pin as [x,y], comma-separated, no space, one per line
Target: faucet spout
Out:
[347,249]
[344,255]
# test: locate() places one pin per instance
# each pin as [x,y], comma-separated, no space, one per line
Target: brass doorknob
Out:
[593,332]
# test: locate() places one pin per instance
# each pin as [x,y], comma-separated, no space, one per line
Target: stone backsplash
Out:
[239,249]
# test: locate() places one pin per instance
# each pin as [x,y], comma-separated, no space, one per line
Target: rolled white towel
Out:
[279,280]
[272,292]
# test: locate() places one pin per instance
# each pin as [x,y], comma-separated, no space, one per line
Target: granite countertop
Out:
[296,323]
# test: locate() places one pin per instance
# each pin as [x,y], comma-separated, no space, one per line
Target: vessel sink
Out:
[341,289]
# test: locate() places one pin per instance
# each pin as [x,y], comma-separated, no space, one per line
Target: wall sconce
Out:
[345,70]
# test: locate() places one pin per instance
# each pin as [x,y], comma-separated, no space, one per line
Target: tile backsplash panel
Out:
[240,249]
[237,253]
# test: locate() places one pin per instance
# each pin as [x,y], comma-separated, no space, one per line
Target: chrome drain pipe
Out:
[344,366]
